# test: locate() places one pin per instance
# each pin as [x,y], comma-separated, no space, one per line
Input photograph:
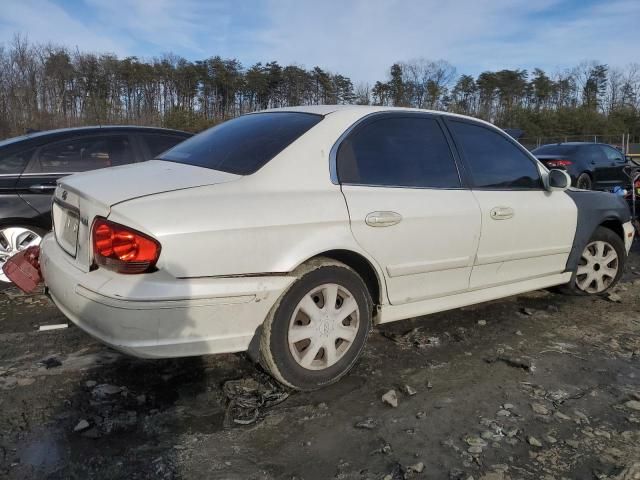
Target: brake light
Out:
[558,163]
[123,249]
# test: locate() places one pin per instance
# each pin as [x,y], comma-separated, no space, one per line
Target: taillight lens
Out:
[557,163]
[123,249]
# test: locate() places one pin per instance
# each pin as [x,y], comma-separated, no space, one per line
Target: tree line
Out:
[46,86]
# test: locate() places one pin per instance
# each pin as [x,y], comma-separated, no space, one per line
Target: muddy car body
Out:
[289,232]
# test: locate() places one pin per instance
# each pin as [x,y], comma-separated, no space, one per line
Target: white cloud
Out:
[359,38]
[43,21]
[166,24]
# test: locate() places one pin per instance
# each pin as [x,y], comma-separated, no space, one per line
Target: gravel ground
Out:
[537,386]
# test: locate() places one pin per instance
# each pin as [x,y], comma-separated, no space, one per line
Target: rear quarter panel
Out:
[239,229]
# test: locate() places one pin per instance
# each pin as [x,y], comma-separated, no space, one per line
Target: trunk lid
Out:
[80,198]
[114,185]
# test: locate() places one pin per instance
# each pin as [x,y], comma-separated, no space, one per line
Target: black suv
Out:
[596,166]
[30,166]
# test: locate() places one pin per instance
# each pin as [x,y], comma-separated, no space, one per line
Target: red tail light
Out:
[123,249]
[557,163]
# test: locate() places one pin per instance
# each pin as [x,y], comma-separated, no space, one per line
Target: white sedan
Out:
[288,233]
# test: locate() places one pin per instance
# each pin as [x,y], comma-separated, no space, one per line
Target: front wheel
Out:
[317,330]
[601,263]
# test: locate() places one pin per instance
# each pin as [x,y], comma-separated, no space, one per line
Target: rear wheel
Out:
[14,239]
[601,263]
[317,330]
[584,181]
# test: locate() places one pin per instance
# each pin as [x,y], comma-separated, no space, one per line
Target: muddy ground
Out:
[537,386]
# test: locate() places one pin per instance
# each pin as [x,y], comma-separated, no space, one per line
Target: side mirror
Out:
[558,180]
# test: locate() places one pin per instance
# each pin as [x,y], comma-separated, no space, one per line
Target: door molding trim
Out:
[520,255]
[415,268]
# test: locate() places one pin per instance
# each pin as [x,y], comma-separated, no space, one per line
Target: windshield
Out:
[245,144]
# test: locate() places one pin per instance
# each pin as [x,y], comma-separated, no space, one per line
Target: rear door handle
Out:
[383,219]
[41,188]
[501,213]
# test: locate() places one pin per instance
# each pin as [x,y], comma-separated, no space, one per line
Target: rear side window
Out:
[401,152]
[157,144]
[245,144]
[83,154]
[495,162]
[14,163]
[612,154]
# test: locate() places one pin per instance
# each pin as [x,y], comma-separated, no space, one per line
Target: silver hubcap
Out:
[323,326]
[598,267]
[12,240]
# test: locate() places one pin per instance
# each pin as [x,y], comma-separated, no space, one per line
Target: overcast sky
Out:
[358,38]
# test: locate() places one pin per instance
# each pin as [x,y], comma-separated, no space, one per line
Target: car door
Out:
[13,160]
[527,231]
[407,205]
[72,155]
[597,162]
[616,162]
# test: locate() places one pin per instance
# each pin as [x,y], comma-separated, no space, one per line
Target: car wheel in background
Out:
[601,264]
[584,181]
[14,239]
[318,328]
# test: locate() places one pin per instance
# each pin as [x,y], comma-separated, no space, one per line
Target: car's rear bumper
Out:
[155,315]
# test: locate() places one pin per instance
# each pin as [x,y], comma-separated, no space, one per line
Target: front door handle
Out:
[41,188]
[383,219]
[501,213]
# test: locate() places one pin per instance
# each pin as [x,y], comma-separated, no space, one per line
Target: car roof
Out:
[39,135]
[364,110]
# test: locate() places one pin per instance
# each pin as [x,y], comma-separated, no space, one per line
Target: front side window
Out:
[595,155]
[398,152]
[245,144]
[14,163]
[81,155]
[494,161]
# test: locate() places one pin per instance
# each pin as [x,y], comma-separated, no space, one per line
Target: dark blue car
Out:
[592,166]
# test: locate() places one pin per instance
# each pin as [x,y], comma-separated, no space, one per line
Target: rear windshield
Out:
[555,150]
[245,144]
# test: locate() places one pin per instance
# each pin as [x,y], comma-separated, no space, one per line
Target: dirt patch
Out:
[530,387]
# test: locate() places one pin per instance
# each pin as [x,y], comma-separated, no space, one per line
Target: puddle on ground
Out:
[42,451]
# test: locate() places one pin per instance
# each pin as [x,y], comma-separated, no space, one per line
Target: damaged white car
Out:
[289,232]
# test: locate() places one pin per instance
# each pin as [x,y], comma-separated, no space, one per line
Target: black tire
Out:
[611,238]
[275,353]
[584,181]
